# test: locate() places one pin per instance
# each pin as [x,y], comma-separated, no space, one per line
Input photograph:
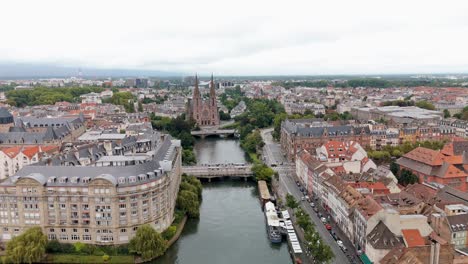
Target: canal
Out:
[231,228]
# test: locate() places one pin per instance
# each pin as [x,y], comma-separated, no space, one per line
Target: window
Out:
[75,237]
[51,230]
[63,230]
[123,230]
[86,237]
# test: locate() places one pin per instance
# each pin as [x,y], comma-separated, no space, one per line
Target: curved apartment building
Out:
[94,204]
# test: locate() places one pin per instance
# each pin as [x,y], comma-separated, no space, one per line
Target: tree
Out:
[188,157]
[252,141]
[324,254]
[262,172]
[28,247]
[446,113]
[394,168]
[224,116]
[169,232]
[188,201]
[147,243]
[291,201]
[425,105]
[140,107]
[407,177]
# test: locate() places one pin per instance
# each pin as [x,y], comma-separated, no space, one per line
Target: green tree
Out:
[28,247]
[425,105]
[262,172]
[291,201]
[446,113]
[252,141]
[407,177]
[188,201]
[140,107]
[147,243]
[394,168]
[188,157]
[324,254]
[169,232]
[224,116]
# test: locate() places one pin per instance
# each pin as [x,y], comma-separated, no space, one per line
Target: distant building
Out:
[311,134]
[204,112]
[91,98]
[141,83]
[446,167]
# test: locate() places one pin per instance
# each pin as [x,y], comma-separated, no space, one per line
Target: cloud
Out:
[239,37]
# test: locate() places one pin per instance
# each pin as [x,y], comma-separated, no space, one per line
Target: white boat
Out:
[273,223]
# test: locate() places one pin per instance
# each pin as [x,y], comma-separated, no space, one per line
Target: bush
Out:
[105,258]
[169,232]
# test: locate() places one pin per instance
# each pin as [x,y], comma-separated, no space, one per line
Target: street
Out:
[287,184]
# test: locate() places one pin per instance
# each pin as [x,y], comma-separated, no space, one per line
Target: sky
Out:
[239,37]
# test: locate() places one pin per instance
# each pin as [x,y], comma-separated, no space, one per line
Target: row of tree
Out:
[387,153]
[320,251]
[371,83]
[47,96]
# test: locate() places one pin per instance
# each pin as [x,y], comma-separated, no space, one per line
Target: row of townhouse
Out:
[385,223]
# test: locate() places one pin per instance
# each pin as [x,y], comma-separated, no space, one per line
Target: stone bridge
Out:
[219,171]
[215,132]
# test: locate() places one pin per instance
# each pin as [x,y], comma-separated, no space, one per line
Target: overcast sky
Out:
[240,37]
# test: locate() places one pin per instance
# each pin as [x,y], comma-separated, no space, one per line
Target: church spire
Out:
[196,91]
[212,88]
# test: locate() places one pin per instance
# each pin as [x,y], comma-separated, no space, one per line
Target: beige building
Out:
[92,204]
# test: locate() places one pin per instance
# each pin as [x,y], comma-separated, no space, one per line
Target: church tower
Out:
[204,112]
[213,104]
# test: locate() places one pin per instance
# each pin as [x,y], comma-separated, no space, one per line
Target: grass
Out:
[67,258]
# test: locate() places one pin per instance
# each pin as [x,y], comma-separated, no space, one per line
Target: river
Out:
[231,228]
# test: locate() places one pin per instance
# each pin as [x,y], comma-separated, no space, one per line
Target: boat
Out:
[273,223]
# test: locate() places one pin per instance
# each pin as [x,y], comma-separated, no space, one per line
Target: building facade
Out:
[204,112]
[92,204]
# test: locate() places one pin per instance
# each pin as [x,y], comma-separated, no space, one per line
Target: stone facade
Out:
[204,112]
[94,205]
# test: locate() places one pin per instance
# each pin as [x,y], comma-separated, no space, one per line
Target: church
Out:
[203,112]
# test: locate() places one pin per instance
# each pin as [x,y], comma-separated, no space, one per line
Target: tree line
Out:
[47,96]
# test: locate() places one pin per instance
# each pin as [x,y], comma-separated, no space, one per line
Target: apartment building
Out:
[93,204]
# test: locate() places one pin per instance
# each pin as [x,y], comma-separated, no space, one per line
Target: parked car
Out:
[312,204]
[334,235]
[316,209]
[323,219]
[328,226]
[319,215]
[341,245]
[303,198]
[307,198]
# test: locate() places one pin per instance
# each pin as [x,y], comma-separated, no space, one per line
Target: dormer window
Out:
[121,180]
[63,180]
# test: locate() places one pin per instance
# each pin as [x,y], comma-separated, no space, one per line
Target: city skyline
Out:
[260,38]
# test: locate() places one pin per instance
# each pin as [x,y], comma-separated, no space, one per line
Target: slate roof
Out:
[382,238]
[143,172]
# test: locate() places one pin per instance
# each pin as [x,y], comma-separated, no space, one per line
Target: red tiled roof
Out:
[12,152]
[412,238]
[31,151]
[426,156]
